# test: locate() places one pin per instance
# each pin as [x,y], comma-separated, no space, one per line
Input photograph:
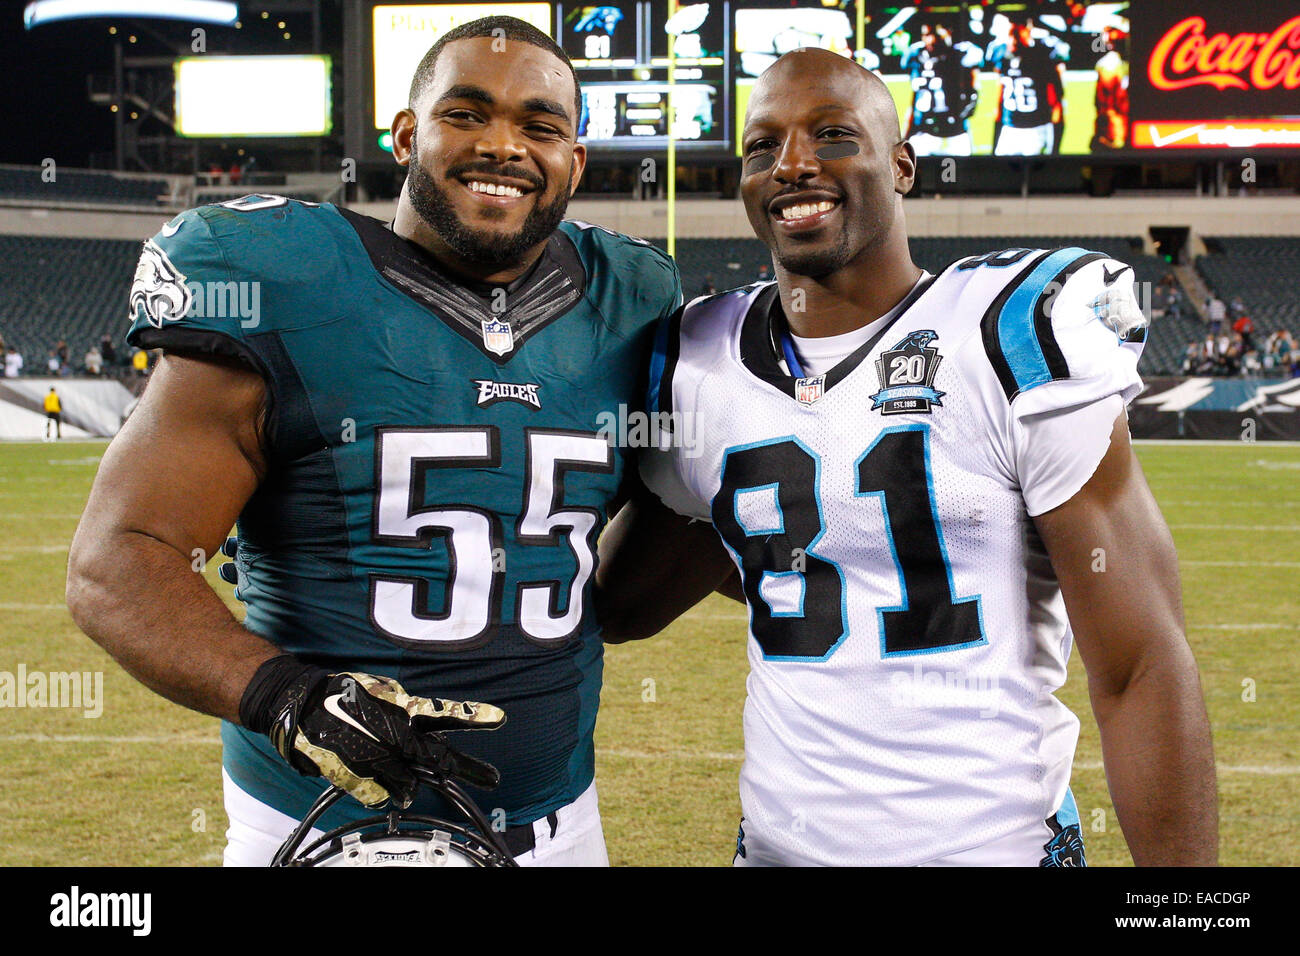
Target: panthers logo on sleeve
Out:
[1066,846]
[158,288]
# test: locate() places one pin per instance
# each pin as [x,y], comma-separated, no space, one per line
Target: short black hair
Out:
[511,28]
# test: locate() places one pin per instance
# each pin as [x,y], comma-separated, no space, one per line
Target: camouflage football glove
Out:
[361,732]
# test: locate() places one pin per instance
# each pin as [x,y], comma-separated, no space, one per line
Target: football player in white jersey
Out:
[926,486]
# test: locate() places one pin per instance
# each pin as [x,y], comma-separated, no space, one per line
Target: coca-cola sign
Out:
[1214,61]
[1189,56]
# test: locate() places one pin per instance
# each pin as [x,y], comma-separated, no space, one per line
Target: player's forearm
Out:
[733,588]
[654,566]
[141,601]
[1159,759]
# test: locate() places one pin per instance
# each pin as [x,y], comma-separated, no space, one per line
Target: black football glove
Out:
[361,732]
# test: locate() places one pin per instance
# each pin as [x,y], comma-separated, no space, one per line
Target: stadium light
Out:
[199,11]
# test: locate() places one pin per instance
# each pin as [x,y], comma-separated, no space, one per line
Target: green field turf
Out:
[140,785]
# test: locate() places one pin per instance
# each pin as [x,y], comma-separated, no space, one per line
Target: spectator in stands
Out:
[52,364]
[53,413]
[1244,327]
[140,362]
[1236,308]
[1215,312]
[94,361]
[1166,298]
[64,353]
[764,273]
[107,350]
[708,288]
[1206,353]
[1281,353]
[1230,357]
[13,363]
[1174,298]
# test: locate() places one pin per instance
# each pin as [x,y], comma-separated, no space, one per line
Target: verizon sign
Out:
[1215,75]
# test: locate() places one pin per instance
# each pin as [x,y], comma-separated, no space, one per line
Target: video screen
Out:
[969,79]
[253,95]
[1216,76]
[600,36]
[621,55]
[403,34]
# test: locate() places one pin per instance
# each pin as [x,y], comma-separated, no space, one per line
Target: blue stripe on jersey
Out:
[1069,811]
[1016,332]
[657,361]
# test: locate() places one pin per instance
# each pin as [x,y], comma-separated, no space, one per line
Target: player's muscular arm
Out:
[655,565]
[173,481]
[1142,678]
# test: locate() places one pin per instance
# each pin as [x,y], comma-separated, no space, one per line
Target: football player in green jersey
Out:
[404,420]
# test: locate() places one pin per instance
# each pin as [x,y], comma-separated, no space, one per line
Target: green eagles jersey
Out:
[438,470]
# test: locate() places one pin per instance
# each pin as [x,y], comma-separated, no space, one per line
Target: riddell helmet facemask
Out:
[397,838]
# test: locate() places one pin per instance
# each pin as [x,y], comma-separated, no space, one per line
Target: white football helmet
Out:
[398,838]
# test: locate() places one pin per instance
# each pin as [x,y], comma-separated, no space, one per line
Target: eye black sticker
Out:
[837,150]
[765,161]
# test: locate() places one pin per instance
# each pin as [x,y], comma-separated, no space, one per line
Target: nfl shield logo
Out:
[497,337]
[808,390]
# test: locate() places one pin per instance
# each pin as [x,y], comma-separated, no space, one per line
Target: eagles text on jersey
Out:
[437,479]
[882,525]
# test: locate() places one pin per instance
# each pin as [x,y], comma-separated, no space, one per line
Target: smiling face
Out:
[821,177]
[491,153]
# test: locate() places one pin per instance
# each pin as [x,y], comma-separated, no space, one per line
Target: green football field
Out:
[140,783]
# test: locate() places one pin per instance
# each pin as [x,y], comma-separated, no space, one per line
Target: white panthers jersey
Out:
[907,631]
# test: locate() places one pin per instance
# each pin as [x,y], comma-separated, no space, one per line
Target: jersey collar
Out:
[765,326]
[533,301]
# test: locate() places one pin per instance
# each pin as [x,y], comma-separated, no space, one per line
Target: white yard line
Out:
[1240,564]
[32,514]
[1237,527]
[1226,503]
[732,756]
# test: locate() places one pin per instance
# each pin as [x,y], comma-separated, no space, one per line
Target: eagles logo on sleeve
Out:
[158,288]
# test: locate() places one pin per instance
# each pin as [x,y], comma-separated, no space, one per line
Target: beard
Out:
[485,248]
[816,263]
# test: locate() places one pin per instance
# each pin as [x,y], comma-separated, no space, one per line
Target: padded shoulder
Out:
[232,269]
[1065,316]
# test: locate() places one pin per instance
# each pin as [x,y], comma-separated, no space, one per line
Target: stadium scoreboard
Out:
[1021,77]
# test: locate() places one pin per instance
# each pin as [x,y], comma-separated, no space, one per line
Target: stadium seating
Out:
[55,288]
[76,289]
[1261,270]
[81,186]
